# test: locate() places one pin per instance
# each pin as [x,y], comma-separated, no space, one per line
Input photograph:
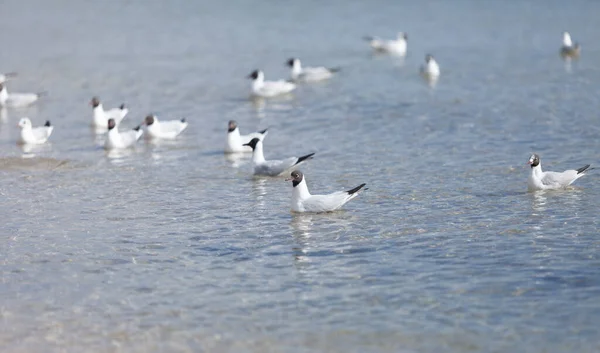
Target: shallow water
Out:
[174,247]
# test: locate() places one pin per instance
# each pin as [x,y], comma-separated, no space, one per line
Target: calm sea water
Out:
[173,247]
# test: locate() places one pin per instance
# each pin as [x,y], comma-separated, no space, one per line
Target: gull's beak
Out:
[289,179]
[246,144]
[249,76]
[529,162]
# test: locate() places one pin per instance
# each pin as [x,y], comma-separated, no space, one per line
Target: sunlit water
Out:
[173,247]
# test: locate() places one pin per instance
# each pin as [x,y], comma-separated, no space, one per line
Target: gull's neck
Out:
[300,191]
[3,95]
[567,40]
[258,82]
[99,109]
[296,68]
[257,156]
[537,170]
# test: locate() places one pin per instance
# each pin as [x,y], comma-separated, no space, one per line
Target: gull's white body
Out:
[235,141]
[267,89]
[33,135]
[17,100]
[165,129]
[430,69]
[101,116]
[309,74]
[303,201]
[396,46]
[120,140]
[272,167]
[540,180]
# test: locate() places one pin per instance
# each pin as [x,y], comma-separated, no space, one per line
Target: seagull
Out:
[101,116]
[235,141]
[34,135]
[430,69]
[393,46]
[539,180]
[266,89]
[5,77]
[303,201]
[568,49]
[273,167]
[163,129]
[309,74]
[16,100]
[118,140]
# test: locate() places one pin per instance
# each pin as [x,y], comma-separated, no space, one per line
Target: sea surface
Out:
[175,247]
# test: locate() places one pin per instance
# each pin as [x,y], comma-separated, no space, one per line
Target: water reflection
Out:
[259,191]
[3,115]
[238,159]
[539,203]
[30,150]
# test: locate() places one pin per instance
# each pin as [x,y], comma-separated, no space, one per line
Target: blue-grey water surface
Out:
[172,247]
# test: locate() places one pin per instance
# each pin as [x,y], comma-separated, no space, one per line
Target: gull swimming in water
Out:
[430,70]
[569,49]
[170,129]
[303,201]
[396,46]
[539,180]
[101,116]
[16,100]
[309,74]
[267,89]
[272,167]
[34,135]
[237,142]
[120,140]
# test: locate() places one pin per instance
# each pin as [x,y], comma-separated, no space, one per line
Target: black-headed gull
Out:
[272,167]
[101,116]
[17,100]
[309,74]
[303,201]
[120,140]
[236,141]
[169,129]
[266,89]
[569,49]
[430,69]
[539,180]
[393,46]
[6,76]
[34,135]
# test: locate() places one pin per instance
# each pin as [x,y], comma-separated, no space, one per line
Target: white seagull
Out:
[568,49]
[34,135]
[5,77]
[170,129]
[101,116]
[17,100]
[272,167]
[309,74]
[120,140]
[393,46]
[267,89]
[235,141]
[303,201]
[430,69]
[539,180]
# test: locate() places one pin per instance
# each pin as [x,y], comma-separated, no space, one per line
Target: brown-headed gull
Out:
[16,100]
[539,180]
[267,89]
[120,140]
[309,74]
[168,130]
[236,142]
[303,201]
[272,167]
[101,116]
[396,46]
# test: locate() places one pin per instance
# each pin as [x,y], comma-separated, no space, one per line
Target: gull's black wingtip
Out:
[368,38]
[355,190]
[182,120]
[262,132]
[304,158]
[583,169]
[122,106]
[47,124]
[335,69]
